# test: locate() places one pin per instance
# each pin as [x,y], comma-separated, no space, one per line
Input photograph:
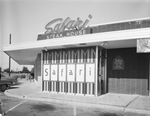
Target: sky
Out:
[25,19]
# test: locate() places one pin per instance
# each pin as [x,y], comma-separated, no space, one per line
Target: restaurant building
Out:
[73,58]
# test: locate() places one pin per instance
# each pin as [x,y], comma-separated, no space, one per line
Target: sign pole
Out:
[9,56]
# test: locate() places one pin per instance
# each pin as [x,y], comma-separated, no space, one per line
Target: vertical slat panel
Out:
[45,85]
[60,87]
[43,57]
[92,56]
[68,87]
[91,88]
[63,86]
[78,88]
[60,53]
[144,87]
[58,57]
[77,55]
[96,71]
[81,88]
[55,87]
[72,87]
[55,57]
[72,56]
[68,56]
[88,55]
[63,61]
[87,88]
[82,56]
[47,88]
[47,55]
[52,86]
[52,57]
[70,51]
[49,85]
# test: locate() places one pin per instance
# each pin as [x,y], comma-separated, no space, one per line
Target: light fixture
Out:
[82,44]
[105,43]
[45,49]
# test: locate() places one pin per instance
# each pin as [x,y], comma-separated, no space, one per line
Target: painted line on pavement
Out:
[15,106]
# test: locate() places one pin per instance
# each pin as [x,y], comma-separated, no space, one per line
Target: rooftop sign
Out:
[62,28]
[57,27]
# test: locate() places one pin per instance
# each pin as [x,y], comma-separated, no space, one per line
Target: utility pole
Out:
[9,56]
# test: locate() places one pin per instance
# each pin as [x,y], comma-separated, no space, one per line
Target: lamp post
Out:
[9,56]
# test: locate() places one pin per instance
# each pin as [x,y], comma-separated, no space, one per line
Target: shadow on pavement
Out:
[111,114]
[43,107]
[13,87]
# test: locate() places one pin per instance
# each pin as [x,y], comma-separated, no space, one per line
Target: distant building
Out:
[94,60]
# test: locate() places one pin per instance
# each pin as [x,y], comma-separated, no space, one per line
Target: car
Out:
[4,85]
[7,81]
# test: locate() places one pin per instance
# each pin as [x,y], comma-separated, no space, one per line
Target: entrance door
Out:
[102,81]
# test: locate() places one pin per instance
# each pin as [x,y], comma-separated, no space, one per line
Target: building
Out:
[90,60]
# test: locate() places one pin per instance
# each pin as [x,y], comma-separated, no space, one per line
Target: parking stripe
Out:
[15,106]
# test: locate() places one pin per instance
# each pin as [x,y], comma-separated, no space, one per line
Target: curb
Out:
[69,102]
[136,112]
[13,95]
[125,110]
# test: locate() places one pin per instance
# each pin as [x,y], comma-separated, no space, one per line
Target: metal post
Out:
[105,70]
[96,72]
[9,56]
[100,72]
[149,77]
[42,69]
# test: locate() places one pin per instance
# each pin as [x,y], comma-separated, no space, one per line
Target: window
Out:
[118,63]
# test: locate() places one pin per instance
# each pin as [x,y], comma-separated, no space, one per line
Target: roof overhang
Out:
[26,53]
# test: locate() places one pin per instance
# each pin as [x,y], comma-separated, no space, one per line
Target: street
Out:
[22,107]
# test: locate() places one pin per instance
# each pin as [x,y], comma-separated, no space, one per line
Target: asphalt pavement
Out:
[129,104]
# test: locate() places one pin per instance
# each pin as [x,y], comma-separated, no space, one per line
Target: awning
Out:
[26,53]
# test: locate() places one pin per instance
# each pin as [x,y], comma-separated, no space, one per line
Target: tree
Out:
[6,70]
[12,71]
[32,70]
[25,70]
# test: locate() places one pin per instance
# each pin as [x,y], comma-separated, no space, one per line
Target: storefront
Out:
[89,60]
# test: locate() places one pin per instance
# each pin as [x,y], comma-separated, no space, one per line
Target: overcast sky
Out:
[25,19]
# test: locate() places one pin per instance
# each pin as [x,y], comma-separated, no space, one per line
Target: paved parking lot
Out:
[22,107]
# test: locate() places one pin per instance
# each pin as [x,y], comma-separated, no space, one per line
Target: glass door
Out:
[102,63]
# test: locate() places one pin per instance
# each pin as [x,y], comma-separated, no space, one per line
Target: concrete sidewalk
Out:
[129,104]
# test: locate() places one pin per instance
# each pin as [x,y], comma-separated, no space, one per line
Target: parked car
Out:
[7,81]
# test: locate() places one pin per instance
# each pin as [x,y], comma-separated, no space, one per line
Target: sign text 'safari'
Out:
[67,24]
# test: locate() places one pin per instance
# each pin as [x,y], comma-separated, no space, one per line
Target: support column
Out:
[35,70]
[42,61]
[105,70]
[96,71]
[149,75]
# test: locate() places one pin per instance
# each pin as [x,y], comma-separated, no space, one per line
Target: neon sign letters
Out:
[60,25]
